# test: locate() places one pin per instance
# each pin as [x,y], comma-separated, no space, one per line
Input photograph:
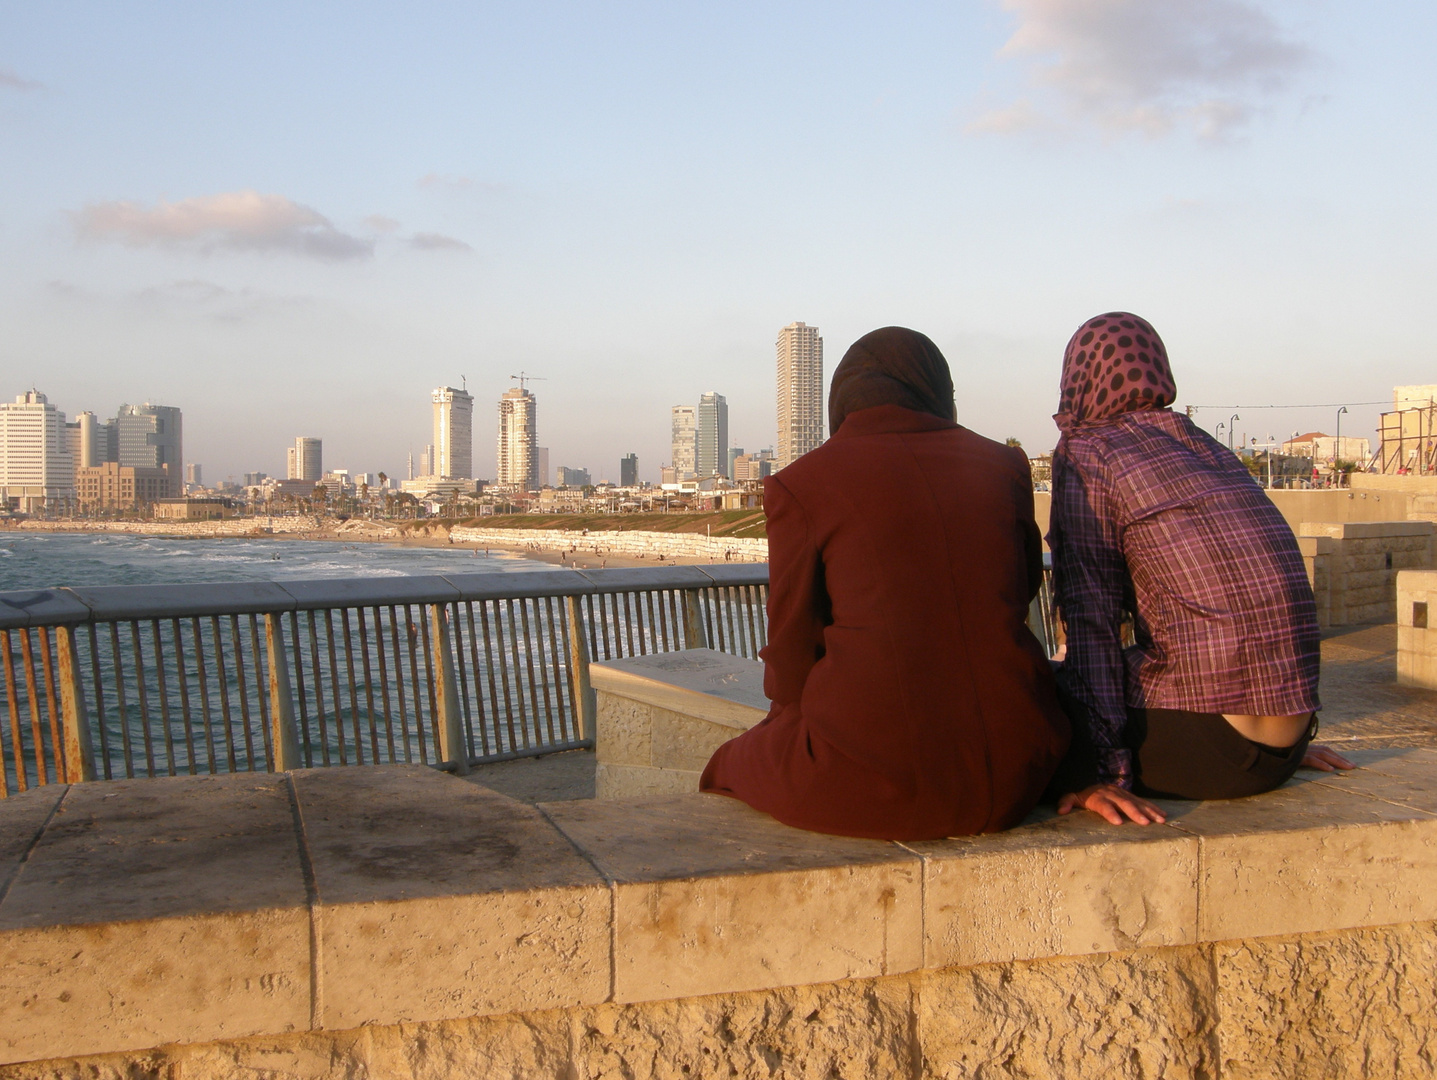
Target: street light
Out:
[1337,445]
[1218,430]
[1229,429]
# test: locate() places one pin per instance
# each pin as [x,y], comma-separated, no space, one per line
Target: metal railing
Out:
[127,681]
[162,680]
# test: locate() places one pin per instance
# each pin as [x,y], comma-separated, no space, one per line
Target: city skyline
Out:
[271,233]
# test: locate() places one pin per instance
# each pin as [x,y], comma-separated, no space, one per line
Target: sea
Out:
[34,560]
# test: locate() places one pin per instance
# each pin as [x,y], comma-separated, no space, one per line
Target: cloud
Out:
[436,242]
[380,223]
[233,221]
[1150,66]
[11,81]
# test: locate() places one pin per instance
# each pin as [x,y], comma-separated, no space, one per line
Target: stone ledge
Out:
[203,909]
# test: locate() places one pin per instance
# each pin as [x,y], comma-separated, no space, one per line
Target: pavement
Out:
[1363,708]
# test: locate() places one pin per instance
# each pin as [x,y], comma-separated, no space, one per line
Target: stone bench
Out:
[660,717]
[394,921]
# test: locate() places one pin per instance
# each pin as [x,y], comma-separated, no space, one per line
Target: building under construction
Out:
[1409,433]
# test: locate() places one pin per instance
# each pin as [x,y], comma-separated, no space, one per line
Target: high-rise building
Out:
[629,470]
[193,474]
[734,453]
[36,469]
[800,392]
[151,437]
[518,464]
[567,477]
[93,450]
[453,433]
[541,469]
[306,459]
[684,420]
[711,436]
[426,460]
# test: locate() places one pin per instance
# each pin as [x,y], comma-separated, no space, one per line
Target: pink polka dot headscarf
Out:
[1114,364]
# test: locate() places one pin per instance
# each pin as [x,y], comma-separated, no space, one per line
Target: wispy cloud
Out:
[429,241]
[11,81]
[380,223]
[1151,66]
[233,221]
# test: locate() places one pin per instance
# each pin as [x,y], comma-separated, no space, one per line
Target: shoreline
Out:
[562,554]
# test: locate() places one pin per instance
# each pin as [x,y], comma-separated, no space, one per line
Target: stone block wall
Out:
[342,924]
[659,720]
[1353,566]
[1417,628]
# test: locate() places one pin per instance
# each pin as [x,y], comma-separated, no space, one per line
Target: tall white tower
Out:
[36,467]
[518,439]
[800,392]
[306,458]
[453,433]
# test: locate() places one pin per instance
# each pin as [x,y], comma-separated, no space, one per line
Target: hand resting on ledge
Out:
[1113,803]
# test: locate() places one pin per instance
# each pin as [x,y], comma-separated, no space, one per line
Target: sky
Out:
[297,219]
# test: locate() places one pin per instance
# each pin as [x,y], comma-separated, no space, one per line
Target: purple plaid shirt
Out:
[1153,516]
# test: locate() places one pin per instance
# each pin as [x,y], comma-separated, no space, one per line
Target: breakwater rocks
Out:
[649,545]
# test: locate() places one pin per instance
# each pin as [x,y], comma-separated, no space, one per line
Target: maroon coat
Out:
[910,700]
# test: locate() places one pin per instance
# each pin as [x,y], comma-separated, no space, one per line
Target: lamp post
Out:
[1218,430]
[1229,429]
[1337,445]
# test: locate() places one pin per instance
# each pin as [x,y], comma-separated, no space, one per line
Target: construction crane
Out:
[524,377]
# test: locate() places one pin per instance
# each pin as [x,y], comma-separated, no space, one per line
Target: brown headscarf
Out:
[1114,364]
[892,366]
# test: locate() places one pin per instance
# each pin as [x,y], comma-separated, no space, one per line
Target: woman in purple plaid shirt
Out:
[1218,697]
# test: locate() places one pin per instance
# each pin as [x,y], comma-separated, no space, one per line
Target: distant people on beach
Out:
[1154,520]
[910,701]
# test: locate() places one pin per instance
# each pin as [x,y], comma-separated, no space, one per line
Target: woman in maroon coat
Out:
[909,699]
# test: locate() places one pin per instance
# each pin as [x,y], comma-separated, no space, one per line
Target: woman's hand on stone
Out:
[1325,759]
[1112,803]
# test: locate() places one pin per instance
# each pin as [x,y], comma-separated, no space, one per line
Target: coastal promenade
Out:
[394,921]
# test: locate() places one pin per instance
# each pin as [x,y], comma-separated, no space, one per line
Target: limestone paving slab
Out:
[1057,886]
[440,898]
[703,683]
[21,816]
[711,896]
[156,911]
[1405,777]
[1308,858]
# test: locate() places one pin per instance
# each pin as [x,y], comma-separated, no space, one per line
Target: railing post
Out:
[584,698]
[283,735]
[78,758]
[695,636]
[446,693]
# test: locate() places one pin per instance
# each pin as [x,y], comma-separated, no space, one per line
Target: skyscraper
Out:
[92,441]
[518,434]
[629,470]
[151,437]
[684,420]
[453,433]
[711,438]
[800,392]
[306,459]
[36,469]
